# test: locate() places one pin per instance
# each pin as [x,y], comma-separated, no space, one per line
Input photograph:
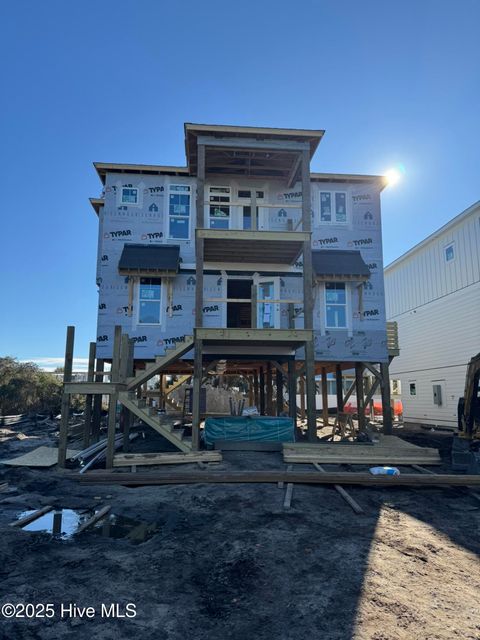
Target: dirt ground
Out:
[228,561]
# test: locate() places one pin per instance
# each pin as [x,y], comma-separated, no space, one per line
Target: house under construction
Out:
[242,262]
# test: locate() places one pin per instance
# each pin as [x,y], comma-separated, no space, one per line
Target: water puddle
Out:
[61,524]
[117,527]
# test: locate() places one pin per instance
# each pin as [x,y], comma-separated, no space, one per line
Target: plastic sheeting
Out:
[259,428]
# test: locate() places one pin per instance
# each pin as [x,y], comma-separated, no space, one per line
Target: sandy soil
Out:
[231,562]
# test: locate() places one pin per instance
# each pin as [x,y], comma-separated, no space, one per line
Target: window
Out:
[333,207]
[129,195]
[396,387]
[336,305]
[450,252]
[219,208]
[179,211]
[149,301]
[413,388]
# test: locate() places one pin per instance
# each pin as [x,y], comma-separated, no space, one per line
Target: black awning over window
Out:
[149,258]
[338,263]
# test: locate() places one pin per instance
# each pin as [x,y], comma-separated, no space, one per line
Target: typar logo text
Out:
[118,235]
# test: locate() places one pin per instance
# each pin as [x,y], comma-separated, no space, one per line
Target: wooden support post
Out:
[279,387]
[302,397]
[254,306]
[253,209]
[112,406]
[386,408]
[250,390]
[308,297]
[360,398]
[129,415]
[324,397]
[97,404]
[197,385]
[292,391]
[291,315]
[256,390]
[199,241]
[65,410]
[262,392]
[87,427]
[269,385]
[339,388]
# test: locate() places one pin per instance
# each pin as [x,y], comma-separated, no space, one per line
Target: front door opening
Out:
[239,314]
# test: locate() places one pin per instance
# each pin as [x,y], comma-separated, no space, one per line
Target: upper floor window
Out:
[149,301]
[129,195]
[179,211]
[333,207]
[335,305]
[219,208]
[450,252]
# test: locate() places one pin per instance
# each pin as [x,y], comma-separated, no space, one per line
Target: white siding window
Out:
[333,207]
[335,305]
[129,195]
[149,301]
[179,212]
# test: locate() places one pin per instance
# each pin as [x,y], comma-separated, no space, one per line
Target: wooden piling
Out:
[65,410]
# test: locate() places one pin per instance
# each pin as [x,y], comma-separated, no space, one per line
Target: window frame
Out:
[139,300]
[246,201]
[170,216]
[333,194]
[413,384]
[130,204]
[220,205]
[450,245]
[343,304]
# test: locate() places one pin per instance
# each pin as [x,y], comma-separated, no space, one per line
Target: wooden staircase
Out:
[171,354]
[161,423]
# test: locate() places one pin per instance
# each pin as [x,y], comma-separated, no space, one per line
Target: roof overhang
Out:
[254,152]
[103,168]
[350,178]
[257,247]
[96,204]
[339,265]
[149,260]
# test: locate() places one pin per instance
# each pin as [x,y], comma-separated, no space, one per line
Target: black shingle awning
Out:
[160,259]
[339,263]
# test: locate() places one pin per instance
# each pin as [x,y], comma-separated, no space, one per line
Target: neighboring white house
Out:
[433,293]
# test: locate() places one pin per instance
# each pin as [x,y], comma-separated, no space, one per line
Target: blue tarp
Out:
[259,428]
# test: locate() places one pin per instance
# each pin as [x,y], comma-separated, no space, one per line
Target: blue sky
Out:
[390,82]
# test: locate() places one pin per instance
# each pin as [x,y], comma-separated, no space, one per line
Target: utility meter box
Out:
[437,395]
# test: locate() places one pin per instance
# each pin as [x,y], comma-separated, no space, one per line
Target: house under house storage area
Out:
[244,263]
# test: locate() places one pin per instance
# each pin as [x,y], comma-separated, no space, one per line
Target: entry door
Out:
[268,305]
[250,219]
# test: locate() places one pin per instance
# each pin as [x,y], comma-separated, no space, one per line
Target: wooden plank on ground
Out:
[98,516]
[247,445]
[289,491]
[142,459]
[31,517]
[363,459]
[256,477]
[346,496]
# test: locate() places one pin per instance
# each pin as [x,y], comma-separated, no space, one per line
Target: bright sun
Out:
[393,176]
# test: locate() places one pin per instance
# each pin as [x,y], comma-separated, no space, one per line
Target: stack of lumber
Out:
[259,477]
[142,459]
[390,450]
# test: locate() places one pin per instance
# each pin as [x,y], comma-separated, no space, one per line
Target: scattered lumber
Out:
[95,518]
[31,517]
[142,459]
[256,477]
[346,496]
[390,450]
[289,491]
